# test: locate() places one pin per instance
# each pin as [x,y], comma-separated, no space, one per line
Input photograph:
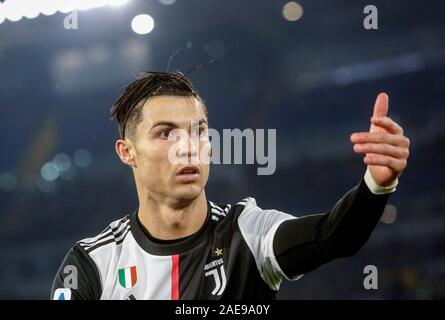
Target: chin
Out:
[188,192]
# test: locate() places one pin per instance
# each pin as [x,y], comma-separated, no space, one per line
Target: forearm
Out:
[303,244]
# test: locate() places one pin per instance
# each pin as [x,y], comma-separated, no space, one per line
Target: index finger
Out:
[387,123]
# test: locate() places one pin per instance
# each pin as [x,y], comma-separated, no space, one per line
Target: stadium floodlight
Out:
[14,10]
[118,2]
[48,7]
[31,11]
[2,13]
[142,24]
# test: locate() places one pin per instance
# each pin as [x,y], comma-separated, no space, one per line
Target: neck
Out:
[168,221]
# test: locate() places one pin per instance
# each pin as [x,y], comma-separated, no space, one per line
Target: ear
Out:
[126,152]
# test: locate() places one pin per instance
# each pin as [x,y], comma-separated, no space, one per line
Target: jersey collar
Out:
[168,247]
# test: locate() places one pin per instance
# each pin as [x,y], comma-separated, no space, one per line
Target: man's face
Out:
[163,117]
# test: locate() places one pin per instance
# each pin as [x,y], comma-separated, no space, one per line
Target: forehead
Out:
[172,108]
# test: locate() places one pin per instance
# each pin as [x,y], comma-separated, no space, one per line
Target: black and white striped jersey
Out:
[240,252]
[231,256]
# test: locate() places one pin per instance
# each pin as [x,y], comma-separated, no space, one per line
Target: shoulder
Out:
[248,215]
[114,233]
[246,211]
[220,212]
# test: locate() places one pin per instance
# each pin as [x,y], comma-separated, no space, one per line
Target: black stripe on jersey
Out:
[113,233]
[123,238]
[214,205]
[103,238]
[107,232]
[216,208]
[224,211]
[107,229]
[115,236]
[90,249]
[219,212]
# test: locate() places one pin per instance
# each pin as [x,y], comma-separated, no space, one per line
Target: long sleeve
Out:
[303,244]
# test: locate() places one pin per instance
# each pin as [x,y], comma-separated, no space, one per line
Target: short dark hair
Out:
[127,108]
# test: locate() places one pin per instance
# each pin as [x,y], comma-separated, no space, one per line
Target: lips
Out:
[188,174]
[188,170]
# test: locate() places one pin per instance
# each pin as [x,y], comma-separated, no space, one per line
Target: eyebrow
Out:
[173,124]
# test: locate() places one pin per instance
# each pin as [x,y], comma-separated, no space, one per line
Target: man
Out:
[179,245]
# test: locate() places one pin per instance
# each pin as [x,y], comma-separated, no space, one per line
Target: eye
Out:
[203,131]
[164,133]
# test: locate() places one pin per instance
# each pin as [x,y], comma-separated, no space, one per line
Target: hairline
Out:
[136,116]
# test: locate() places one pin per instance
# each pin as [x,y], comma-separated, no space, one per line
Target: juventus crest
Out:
[216,270]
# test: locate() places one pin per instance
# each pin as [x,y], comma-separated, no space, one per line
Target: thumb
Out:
[380,110]
[381,105]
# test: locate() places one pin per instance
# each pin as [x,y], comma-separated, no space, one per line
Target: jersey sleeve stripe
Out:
[114,232]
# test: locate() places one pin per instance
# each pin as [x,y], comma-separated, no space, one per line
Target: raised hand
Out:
[385,147]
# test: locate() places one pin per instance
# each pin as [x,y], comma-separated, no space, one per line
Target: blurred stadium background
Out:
[309,69]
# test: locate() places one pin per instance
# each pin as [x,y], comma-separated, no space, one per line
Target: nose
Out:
[188,147]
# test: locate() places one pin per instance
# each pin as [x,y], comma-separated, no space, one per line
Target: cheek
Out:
[206,171]
[205,150]
[152,157]
[161,158]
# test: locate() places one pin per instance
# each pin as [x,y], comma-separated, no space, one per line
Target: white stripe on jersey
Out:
[244,201]
[110,240]
[220,213]
[215,206]
[122,236]
[109,235]
[107,230]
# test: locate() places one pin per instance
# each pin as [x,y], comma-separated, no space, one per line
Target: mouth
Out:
[188,173]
